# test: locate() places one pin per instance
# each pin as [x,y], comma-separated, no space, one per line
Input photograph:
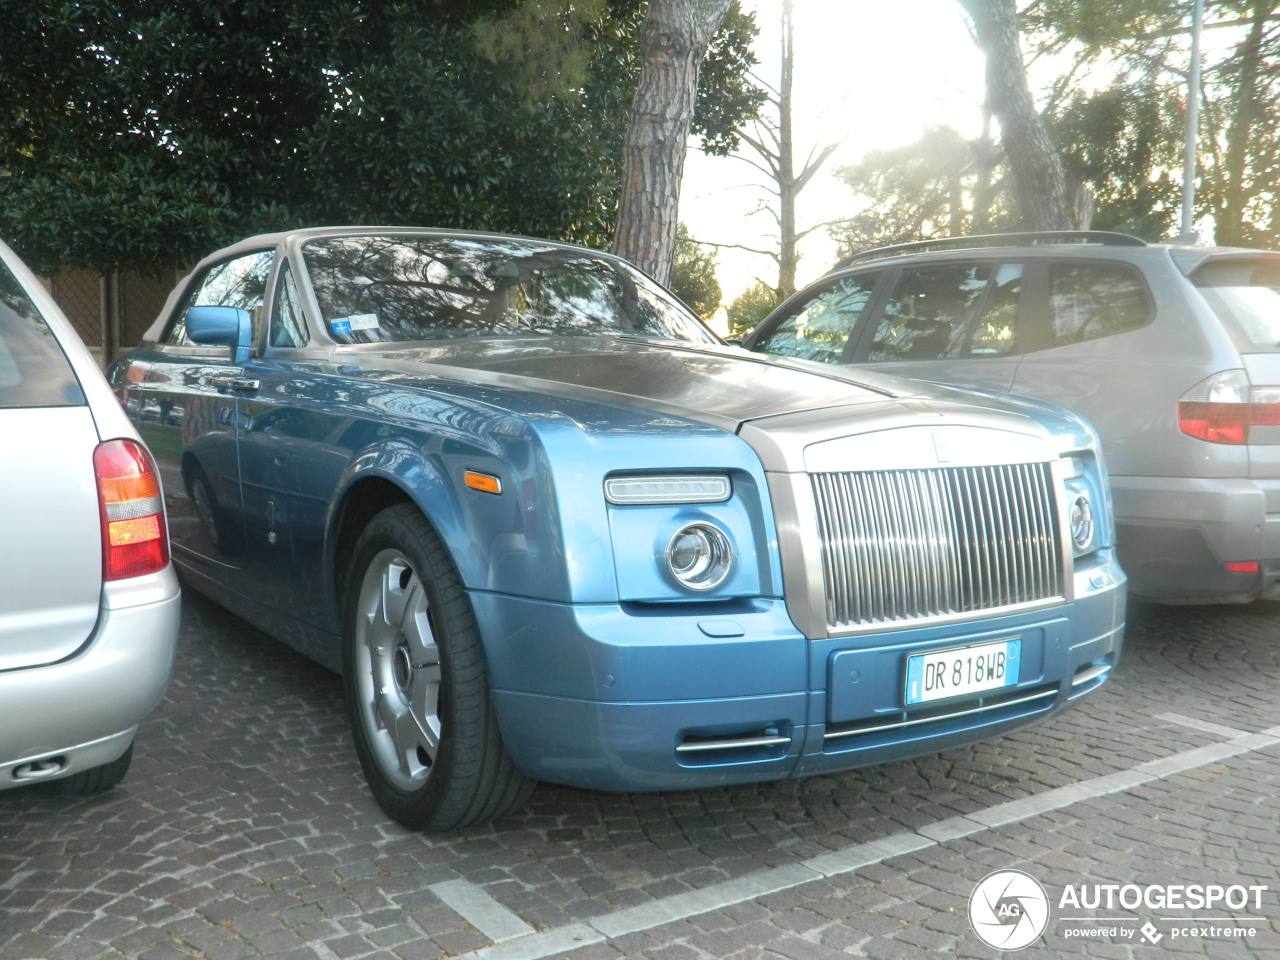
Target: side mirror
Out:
[222,327]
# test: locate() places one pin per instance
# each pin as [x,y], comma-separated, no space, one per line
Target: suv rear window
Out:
[1245,294]
[33,370]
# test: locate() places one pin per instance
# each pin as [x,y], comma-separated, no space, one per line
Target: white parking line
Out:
[534,946]
[480,910]
[1204,726]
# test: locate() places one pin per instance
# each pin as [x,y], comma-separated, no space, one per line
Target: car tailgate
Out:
[1264,441]
[51,548]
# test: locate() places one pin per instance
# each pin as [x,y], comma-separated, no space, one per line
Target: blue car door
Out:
[291,458]
[184,400]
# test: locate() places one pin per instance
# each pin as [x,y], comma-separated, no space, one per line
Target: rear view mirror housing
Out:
[223,327]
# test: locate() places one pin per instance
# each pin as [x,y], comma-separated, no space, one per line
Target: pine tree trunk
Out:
[1039,184]
[673,42]
[986,157]
[1230,229]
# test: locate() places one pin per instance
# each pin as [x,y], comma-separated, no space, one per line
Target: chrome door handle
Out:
[234,383]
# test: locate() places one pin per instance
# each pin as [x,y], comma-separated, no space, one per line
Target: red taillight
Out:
[134,540]
[1243,566]
[1222,408]
[1215,422]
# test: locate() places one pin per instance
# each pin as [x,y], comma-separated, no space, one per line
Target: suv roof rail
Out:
[1029,238]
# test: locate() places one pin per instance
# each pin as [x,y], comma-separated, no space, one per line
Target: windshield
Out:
[1245,294]
[398,288]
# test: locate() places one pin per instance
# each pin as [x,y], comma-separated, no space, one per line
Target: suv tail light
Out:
[1222,408]
[134,539]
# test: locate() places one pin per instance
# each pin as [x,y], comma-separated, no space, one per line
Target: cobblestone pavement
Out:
[244,830]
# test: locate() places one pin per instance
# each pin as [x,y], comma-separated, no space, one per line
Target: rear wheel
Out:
[416,688]
[217,528]
[95,780]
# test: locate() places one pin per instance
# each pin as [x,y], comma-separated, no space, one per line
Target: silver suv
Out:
[89,605]
[1172,351]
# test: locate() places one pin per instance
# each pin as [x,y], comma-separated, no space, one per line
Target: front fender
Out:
[541,528]
[508,541]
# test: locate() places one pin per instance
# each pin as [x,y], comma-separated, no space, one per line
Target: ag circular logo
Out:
[1008,910]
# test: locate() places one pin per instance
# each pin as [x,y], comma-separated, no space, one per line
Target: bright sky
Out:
[869,72]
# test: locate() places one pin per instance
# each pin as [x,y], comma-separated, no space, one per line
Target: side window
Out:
[950,311]
[241,282]
[288,326]
[1092,300]
[819,329]
[995,331]
[34,372]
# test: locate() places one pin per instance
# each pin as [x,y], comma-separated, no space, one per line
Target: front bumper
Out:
[1176,533]
[82,712]
[609,698]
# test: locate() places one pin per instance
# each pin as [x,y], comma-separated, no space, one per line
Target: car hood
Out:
[721,386]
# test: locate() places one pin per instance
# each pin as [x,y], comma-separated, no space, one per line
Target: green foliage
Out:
[137,133]
[693,275]
[1126,148]
[726,102]
[750,307]
[436,133]
[1100,26]
[543,38]
[937,186]
[1125,142]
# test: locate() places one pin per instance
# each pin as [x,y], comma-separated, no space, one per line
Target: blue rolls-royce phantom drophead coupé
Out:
[550,528]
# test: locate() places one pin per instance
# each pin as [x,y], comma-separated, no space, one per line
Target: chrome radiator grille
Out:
[907,544]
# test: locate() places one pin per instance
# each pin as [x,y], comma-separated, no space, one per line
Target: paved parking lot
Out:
[245,830]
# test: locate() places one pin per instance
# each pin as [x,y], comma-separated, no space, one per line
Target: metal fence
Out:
[111,311]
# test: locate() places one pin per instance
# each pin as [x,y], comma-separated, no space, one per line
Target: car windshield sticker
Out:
[360,321]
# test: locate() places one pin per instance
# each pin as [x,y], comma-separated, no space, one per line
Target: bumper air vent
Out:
[766,742]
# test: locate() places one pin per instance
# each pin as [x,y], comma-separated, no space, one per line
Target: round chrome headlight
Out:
[699,556]
[1081,521]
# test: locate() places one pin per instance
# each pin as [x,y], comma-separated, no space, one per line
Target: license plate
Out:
[963,671]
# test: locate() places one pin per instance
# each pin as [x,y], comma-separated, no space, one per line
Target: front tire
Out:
[416,688]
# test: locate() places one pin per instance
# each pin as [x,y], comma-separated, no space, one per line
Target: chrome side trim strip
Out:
[936,718]
[1091,674]
[699,746]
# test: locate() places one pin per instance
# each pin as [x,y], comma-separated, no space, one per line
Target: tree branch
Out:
[812,166]
[770,172]
[754,143]
[772,254]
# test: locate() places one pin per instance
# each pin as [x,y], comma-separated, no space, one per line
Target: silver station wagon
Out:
[1171,351]
[89,606]
[550,528]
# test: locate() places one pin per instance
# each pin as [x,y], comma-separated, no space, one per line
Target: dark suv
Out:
[1172,351]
